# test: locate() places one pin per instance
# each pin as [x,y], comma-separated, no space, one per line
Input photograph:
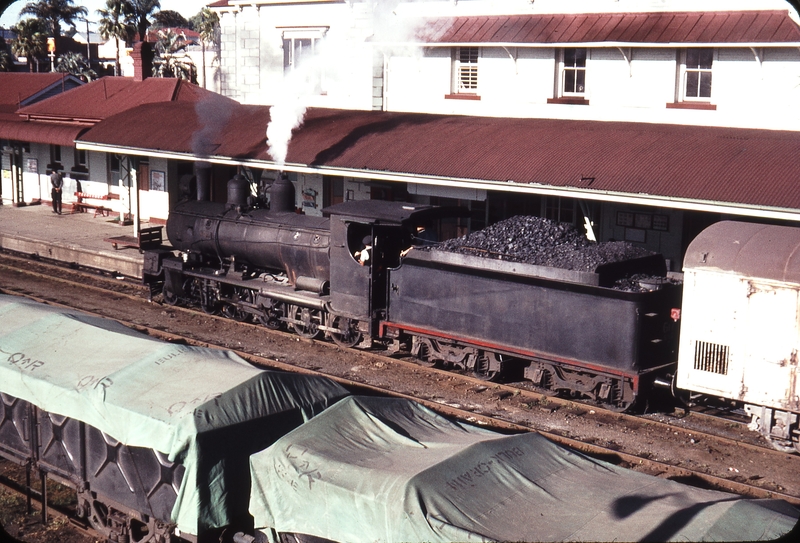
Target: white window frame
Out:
[571,71]
[295,42]
[465,69]
[704,72]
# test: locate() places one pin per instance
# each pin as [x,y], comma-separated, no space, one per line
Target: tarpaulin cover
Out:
[381,470]
[148,393]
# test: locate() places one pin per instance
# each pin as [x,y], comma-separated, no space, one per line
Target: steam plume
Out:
[333,60]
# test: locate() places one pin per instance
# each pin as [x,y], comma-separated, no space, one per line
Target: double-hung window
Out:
[300,47]
[696,74]
[465,70]
[573,72]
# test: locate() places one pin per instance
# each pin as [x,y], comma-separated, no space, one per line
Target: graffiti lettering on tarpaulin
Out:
[309,198]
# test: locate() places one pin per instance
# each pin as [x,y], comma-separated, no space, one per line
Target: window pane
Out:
[705,84]
[692,79]
[699,58]
[575,58]
[468,55]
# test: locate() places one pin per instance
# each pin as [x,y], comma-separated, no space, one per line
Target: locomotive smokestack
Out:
[281,195]
[203,183]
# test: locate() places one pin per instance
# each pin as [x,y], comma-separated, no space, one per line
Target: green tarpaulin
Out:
[143,392]
[382,470]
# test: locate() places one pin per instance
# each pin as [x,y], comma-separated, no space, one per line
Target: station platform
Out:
[70,237]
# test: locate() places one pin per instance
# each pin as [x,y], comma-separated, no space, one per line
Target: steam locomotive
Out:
[359,276]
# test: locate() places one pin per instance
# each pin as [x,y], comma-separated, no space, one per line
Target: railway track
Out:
[503,406]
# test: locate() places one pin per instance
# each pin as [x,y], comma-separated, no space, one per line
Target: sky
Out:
[187,8]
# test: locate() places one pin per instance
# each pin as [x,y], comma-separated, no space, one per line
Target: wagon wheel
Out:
[309,321]
[98,517]
[348,335]
[170,298]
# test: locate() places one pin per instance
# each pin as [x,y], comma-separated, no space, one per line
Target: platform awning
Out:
[63,134]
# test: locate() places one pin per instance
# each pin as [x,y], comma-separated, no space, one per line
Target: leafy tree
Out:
[208,28]
[142,9]
[31,41]
[171,59]
[169,19]
[77,65]
[5,61]
[54,12]
[117,22]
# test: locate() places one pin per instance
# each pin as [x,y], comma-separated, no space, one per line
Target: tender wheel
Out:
[424,352]
[348,336]
[482,368]
[309,321]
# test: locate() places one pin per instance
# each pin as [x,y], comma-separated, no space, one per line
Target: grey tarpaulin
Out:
[148,393]
[382,470]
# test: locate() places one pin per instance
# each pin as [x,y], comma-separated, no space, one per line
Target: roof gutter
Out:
[643,199]
[598,44]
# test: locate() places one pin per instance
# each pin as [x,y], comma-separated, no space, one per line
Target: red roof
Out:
[110,95]
[741,166]
[60,119]
[729,27]
[17,87]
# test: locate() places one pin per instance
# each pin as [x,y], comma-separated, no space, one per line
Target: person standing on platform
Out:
[57,183]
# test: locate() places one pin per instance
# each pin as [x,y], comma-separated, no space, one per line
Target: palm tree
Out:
[5,61]
[207,28]
[171,59]
[77,65]
[31,40]
[142,9]
[54,11]
[117,22]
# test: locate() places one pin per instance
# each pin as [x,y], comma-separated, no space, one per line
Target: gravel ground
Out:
[579,422]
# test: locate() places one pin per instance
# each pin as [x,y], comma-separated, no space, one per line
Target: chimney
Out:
[142,56]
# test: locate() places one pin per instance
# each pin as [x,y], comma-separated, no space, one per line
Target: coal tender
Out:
[597,320]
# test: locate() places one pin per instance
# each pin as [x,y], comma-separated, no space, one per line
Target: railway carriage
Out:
[741,323]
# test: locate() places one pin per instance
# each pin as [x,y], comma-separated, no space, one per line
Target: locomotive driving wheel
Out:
[170,298]
[305,321]
[347,334]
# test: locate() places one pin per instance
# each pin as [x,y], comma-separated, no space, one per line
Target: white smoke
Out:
[332,62]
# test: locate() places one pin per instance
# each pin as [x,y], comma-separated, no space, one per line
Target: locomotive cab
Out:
[385,231]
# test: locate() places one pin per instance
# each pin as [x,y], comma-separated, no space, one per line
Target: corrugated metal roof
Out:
[732,165]
[720,27]
[18,87]
[110,95]
[38,132]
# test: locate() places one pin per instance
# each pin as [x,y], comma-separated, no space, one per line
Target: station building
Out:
[639,121]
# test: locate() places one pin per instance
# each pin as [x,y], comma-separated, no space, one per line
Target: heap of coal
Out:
[535,240]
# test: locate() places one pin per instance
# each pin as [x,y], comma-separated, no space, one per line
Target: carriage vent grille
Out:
[711,357]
